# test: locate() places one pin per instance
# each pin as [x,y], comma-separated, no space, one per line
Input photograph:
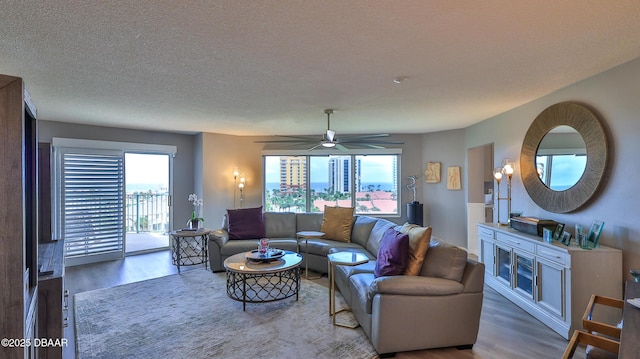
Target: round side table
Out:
[189,247]
[306,235]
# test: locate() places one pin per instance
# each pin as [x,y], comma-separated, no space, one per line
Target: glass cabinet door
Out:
[504,264]
[524,274]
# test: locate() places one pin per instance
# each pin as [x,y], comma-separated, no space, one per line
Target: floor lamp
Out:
[235,184]
[241,188]
[498,173]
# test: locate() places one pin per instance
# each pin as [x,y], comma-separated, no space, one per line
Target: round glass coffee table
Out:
[259,281]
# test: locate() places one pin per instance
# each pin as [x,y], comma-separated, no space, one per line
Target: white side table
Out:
[306,235]
[345,259]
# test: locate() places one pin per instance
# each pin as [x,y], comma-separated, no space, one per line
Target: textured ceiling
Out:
[271,67]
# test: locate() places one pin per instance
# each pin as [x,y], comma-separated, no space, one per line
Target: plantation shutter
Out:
[92,204]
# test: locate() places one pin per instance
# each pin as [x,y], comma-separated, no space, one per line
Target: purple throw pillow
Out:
[246,223]
[393,254]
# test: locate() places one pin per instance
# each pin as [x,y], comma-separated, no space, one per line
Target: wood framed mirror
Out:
[586,124]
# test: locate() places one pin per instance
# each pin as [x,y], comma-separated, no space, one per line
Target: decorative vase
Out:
[193,223]
[263,246]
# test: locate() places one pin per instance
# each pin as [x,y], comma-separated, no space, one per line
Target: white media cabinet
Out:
[550,281]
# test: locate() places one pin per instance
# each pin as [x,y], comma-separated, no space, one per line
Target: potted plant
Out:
[194,221]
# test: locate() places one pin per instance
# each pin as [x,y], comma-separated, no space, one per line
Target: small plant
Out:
[197,205]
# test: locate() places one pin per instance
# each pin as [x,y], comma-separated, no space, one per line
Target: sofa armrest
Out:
[414,285]
[219,236]
[473,277]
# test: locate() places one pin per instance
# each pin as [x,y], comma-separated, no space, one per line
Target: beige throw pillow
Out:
[419,238]
[337,223]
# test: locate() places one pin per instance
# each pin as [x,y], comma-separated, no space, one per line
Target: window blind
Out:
[93,204]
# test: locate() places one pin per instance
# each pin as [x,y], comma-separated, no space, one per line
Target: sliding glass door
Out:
[90,200]
[147,202]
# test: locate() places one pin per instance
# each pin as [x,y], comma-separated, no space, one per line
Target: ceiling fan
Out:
[329,139]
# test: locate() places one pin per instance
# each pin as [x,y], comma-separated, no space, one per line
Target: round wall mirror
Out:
[563,157]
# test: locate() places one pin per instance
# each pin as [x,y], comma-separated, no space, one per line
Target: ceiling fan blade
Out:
[374,142]
[370,145]
[361,137]
[316,146]
[341,147]
[286,141]
[278,138]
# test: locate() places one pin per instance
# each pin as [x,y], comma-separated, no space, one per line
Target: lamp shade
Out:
[509,168]
[497,174]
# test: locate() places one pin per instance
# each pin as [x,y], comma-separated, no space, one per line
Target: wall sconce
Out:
[241,187]
[236,173]
[507,169]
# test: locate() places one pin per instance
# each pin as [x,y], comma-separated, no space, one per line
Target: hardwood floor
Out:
[506,331]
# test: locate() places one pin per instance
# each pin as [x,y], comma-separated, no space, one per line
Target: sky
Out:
[147,169]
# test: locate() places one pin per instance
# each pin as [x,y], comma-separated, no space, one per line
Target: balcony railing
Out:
[147,212]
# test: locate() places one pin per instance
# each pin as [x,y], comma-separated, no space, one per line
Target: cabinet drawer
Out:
[516,242]
[552,254]
[486,233]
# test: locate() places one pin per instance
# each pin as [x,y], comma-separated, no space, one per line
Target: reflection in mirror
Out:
[561,158]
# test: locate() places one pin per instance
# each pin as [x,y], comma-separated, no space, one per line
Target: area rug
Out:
[190,316]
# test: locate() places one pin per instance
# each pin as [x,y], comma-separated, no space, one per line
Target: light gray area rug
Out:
[190,316]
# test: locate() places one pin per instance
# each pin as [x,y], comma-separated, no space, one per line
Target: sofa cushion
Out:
[377,232]
[322,247]
[362,229]
[337,223]
[348,271]
[279,225]
[359,285]
[246,223]
[414,285]
[392,254]
[444,260]
[419,238]
[308,221]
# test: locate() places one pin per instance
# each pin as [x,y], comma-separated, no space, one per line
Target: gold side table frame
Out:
[346,259]
[306,235]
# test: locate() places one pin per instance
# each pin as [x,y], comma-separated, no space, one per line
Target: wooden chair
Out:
[602,340]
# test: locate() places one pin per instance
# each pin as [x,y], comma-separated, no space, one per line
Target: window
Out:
[561,171]
[309,183]
[285,186]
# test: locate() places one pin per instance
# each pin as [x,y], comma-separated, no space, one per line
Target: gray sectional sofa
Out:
[440,307]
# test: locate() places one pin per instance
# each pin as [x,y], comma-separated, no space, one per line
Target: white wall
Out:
[613,95]
[220,154]
[445,210]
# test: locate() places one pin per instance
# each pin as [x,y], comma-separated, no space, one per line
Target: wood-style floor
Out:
[506,331]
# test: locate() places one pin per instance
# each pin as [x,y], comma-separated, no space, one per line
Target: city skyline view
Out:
[372,167]
[367,183]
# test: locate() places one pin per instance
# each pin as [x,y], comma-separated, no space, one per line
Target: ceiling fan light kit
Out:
[329,139]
